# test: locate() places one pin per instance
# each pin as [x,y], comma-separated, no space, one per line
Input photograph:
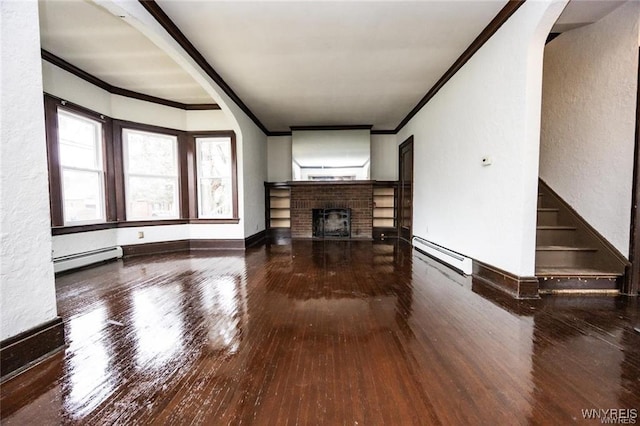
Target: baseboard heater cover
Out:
[451,258]
[78,260]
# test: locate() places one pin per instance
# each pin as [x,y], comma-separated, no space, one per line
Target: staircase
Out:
[570,255]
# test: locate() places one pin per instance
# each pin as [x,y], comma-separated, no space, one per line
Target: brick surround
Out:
[308,196]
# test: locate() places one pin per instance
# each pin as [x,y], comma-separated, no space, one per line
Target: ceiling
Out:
[303,63]
[107,47]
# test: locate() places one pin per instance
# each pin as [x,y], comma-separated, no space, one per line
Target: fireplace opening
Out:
[331,223]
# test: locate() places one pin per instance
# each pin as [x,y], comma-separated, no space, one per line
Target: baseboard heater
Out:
[451,258]
[78,260]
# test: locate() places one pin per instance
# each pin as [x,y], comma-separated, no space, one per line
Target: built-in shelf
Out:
[278,206]
[384,209]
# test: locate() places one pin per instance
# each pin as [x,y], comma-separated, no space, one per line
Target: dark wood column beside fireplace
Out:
[290,206]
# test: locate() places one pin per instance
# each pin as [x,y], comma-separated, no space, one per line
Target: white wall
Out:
[588,120]
[26,274]
[384,157]
[279,158]
[490,107]
[254,174]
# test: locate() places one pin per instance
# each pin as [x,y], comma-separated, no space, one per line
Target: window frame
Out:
[194,209]
[56,192]
[140,128]
[100,172]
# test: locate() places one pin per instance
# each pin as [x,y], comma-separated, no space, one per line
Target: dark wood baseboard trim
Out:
[384,232]
[193,245]
[256,239]
[19,352]
[517,286]
[155,248]
[199,245]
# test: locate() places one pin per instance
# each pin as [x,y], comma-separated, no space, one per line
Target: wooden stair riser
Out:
[547,218]
[570,283]
[564,259]
[558,237]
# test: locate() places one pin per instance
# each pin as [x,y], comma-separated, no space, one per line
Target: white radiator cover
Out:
[64,263]
[451,258]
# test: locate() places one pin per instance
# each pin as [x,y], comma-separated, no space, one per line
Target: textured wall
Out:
[490,107]
[384,157]
[279,158]
[26,274]
[588,120]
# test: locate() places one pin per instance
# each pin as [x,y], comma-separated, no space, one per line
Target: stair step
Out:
[565,248]
[575,272]
[553,256]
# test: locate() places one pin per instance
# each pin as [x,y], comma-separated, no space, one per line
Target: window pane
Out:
[151,154]
[215,197]
[152,197]
[83,200]
[80,141]
[214,157]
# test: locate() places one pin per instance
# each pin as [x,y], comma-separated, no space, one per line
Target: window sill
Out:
[219,221]
[65,230]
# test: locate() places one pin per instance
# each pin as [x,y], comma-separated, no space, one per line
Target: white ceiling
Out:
[579,13]
[331,63]
[302,63]
[105,46]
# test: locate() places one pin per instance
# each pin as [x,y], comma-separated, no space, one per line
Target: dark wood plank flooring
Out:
[320,333]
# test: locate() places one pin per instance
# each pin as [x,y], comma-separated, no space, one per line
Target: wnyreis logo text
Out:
[626,416]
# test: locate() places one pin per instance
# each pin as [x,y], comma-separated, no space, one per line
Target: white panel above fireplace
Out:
[331,154]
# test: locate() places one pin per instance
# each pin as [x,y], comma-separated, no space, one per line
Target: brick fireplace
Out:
[355,196]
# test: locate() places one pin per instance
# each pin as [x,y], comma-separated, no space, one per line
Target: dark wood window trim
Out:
[51,106]
[193,206]
[115,203]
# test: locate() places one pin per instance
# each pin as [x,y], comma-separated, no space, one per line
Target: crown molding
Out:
[78,72]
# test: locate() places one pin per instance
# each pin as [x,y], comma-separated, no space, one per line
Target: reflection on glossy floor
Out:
[323,333]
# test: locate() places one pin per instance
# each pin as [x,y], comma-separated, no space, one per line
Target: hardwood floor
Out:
[323,333]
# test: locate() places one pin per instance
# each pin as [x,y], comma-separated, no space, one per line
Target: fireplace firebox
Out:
[331,223]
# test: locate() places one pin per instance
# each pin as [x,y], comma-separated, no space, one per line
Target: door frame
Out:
[403,145]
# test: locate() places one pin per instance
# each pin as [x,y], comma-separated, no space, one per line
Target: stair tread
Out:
[564,248]
[575,272]
[548,209]
[558,227]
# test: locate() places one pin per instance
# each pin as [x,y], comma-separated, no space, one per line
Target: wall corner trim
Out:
[514,285]
[20,352]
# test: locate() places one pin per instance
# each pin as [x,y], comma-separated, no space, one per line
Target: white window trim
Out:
[99,171]
[199,176]
[127,175]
